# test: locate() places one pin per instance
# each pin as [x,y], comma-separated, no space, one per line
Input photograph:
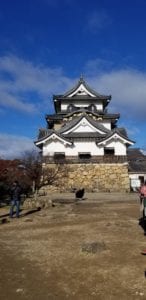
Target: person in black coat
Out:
[15,193]
[80,193]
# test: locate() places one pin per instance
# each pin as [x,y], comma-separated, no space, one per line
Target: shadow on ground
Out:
[3,218]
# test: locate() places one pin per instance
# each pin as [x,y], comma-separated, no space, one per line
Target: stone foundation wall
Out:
[93,177]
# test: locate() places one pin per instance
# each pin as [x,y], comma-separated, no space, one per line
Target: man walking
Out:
[15,193]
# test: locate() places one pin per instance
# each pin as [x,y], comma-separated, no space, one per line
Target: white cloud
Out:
[12,146]
[19,79]
[128,90]
[99,65]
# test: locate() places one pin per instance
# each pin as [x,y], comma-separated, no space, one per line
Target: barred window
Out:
[109,151]
[84,155]
[59,155]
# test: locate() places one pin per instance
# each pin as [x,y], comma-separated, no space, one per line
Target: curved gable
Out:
[83,124]
[115,136]
[53,137]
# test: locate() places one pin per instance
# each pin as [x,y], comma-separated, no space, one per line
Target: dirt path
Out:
[90,250]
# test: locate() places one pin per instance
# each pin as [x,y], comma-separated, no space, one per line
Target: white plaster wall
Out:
[135,181]
[81,104]
[136,176]
[106,125]
[56,146]
[84,128]
[120,148]
[53,146]
[99,106]
[90,147]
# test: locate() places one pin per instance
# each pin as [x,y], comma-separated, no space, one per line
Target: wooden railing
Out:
[92,160]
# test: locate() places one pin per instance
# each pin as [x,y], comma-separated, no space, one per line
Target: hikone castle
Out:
[83,136]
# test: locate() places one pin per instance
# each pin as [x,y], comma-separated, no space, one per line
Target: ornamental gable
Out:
[81,91]
[85,126]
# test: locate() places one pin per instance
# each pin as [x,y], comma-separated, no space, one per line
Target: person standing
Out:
[143,197]
[15,193]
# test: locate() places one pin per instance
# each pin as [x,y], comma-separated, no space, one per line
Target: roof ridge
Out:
[91,90]
[74,122]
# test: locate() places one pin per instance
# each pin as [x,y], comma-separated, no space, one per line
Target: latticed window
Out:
[109,151]
[84,155]
[59,155]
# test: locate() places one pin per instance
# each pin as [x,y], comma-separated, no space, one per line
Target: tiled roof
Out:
[45,133]
[81,97]
[60,116]
[135,154]
[137,161]
[94,113]
[90,135]
[72,123]
[82,81]
[97,136]
[120,131]
[137,166]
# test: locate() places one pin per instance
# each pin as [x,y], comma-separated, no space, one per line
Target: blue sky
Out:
[45,45]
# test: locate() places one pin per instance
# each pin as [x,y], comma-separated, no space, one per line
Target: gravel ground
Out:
[90,249]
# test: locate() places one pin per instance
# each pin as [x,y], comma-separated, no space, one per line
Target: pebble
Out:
[19,290]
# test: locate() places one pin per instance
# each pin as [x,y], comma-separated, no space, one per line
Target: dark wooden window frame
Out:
[84,155]
[109,151]
[59,155]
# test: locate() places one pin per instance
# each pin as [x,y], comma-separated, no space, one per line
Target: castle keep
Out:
[85,138]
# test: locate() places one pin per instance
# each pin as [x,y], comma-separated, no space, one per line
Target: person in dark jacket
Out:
[15,193]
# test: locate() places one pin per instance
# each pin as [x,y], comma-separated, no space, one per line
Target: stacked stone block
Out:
[93,177]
